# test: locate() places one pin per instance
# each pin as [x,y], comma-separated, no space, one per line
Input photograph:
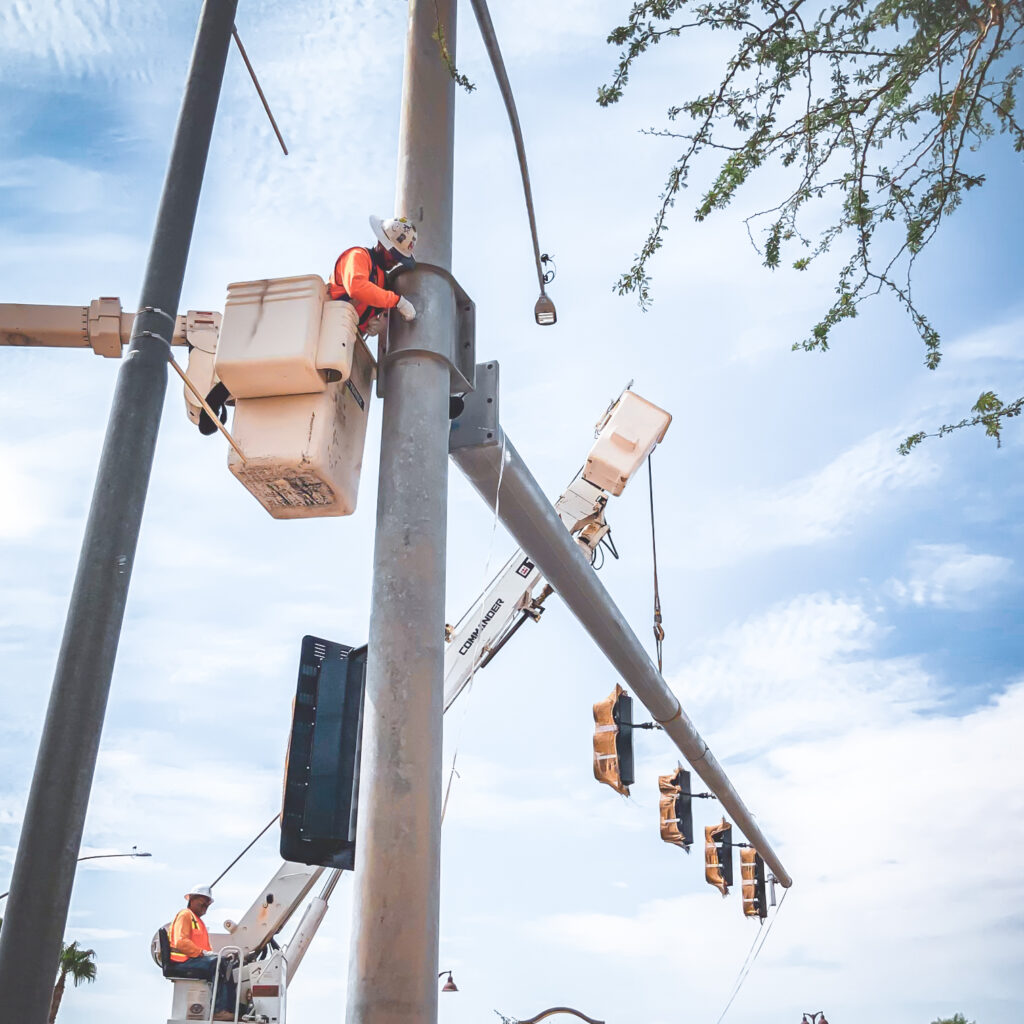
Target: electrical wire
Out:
[606,541]
[479,606]
[659,632]
[246,850]
[748,963]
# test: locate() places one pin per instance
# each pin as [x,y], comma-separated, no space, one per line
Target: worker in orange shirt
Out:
[192,953]
[360,274]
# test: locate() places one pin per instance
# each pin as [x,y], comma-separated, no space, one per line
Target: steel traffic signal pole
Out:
[51,834]
[393,968]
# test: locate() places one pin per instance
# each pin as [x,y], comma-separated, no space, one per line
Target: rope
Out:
[480,603]
[246,850]
[749,962]
[659,632]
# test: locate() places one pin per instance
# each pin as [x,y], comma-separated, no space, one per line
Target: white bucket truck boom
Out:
[625,435]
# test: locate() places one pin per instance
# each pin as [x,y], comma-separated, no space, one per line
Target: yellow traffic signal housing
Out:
[718,856]
[752,878]
[676,808]
[613,740]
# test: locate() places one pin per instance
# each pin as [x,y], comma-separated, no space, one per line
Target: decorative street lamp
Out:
[449,985]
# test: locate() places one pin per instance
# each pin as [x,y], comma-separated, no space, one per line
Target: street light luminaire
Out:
[449,985]
[544,311]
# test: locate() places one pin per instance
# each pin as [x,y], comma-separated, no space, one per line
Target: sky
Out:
[844,625]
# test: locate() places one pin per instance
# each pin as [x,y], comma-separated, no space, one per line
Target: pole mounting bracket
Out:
[477,425]
[452,334]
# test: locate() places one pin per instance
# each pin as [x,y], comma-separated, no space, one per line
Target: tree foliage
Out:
[957,1018]
[873,109]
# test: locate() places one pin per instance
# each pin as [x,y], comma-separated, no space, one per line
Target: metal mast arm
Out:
[533,522]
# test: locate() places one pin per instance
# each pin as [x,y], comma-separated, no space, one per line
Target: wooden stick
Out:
[209,412]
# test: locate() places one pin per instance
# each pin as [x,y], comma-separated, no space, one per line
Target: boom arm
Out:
[628,431]
[271,910]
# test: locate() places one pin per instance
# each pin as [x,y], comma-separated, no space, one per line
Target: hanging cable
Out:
[748,963]
[476,664]
[659,632]
[544,311]
[249,847]
[609,543]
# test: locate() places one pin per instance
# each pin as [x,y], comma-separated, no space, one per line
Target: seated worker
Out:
[191,950]
[360,275]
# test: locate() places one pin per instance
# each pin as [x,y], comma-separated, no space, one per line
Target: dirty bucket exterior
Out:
[191,1001]
[627,436]
[282,336]
[304,453]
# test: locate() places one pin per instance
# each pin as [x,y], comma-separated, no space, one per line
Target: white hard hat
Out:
[398,235]
[200,890]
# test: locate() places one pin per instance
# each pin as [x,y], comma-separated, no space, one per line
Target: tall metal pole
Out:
[393,970]
[51,835]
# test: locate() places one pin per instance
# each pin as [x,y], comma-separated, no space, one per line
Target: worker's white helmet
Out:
[398,235]
[200,890]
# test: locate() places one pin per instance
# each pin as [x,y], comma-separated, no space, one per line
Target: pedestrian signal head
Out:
[398,236]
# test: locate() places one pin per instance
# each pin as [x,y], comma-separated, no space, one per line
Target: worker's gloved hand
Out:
[406,310]
[374,326]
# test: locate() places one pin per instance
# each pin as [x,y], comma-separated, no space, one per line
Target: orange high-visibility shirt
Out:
[188,936]
[358,278]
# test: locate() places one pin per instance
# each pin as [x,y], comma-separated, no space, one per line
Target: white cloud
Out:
[812,509]
[1003,341]
[62,188]
[17,519]
[800,670]
[84,934]
[823,733]
[77,36]
[950,576]
[876,810]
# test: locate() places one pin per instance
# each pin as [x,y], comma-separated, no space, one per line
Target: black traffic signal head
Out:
[318,819]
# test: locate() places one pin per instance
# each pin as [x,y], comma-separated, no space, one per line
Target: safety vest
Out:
[187,926]
[378,277]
